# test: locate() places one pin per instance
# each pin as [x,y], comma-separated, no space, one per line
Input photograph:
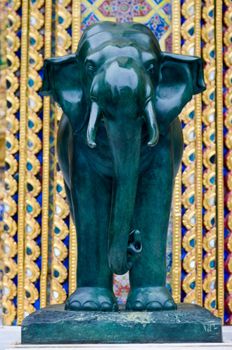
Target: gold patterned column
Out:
[189,166]
[46,163]
[76,23]
[228,157]
[34,155]
[60,232]
[209,149]
[22,159]
[76,33]
[219,162]
[3,25]
[9,105]
[176,212]
[198,178]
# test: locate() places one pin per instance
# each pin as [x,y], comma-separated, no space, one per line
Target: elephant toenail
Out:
[169,305]
[106,306]
[154,306]
[90,306]
[75,306]
[138,306]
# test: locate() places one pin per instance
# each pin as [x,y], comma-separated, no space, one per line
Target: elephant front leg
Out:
[91,200]
[153,205]
[148,274]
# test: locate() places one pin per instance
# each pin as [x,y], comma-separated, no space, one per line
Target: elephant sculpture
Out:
[119,147]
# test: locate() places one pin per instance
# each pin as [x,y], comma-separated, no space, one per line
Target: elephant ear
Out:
[180,78]
[62,81]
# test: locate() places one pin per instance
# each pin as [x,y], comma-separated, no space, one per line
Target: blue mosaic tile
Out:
[158,25]
[90,19]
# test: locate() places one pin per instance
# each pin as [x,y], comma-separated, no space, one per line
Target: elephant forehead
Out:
[112,51]
[98,41]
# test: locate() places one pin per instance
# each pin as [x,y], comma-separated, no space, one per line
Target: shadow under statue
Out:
[119,147]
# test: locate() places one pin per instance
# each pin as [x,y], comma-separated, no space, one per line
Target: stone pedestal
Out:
[189,323]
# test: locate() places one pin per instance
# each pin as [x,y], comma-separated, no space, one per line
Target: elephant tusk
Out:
[92,126]
[150,117]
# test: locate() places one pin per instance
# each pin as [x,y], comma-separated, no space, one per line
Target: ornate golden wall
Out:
[38,255]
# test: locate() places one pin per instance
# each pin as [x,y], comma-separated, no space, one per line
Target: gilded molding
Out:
[22,159]
[46,162]
[188,165]
[176,211]
[219,163]
[76,23]
[60,231]
[34,146]
[228,158]
[8,130]
[76,33]
[209,169]
[72,281]
[198,174]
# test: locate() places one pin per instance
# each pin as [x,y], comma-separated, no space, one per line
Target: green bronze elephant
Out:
[119,148]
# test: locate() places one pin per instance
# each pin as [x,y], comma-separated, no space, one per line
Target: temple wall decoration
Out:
[38,238]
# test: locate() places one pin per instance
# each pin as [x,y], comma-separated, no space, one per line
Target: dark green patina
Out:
[189,323]
[119,148]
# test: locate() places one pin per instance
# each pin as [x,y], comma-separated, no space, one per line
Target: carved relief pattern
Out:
[9,236]
[59,261]
[188,166]
[34,161]
[72,273]
[209,166]
[194,261]
[3,107]
[228,159]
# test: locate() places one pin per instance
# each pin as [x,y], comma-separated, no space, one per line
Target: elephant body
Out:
[119,147]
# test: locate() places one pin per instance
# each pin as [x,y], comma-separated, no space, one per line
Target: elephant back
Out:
[105,33]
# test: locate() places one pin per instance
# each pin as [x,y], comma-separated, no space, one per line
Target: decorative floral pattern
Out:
[155,14]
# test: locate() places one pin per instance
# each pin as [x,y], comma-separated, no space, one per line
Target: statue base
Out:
[188,324]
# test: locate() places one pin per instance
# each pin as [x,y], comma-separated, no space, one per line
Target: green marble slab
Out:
[189,323]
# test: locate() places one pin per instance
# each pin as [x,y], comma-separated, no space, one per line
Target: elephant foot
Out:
[150,299]
[92,299]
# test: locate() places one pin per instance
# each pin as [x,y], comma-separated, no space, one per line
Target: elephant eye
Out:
[153,71]
[151,68]
[90,68]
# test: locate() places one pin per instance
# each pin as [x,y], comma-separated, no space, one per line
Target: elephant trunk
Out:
[124,243]
[124,134]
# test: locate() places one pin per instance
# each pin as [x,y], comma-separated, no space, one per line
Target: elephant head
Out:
[120,75]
